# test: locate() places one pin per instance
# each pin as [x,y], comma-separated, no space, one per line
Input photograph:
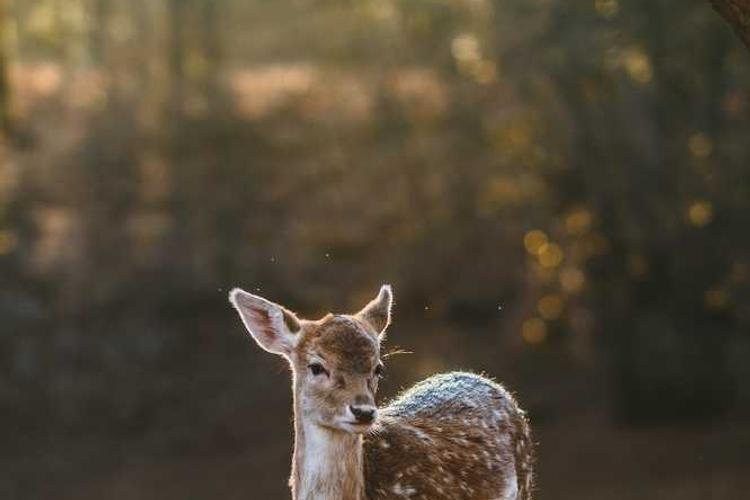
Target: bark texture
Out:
[5,122]
[737,14]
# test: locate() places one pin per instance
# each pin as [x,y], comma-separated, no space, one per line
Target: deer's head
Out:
[335,360]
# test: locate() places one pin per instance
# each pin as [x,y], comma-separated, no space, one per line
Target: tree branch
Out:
[737,14]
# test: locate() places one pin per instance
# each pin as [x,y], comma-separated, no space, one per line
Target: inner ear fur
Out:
[377,313]
[272,326]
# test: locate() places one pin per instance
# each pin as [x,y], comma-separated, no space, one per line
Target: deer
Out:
[453,436]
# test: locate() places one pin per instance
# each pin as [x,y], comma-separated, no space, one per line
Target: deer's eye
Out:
[379,370]
[317,369]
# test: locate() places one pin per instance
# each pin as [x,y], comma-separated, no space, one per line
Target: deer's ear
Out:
[272,326]
[378,312]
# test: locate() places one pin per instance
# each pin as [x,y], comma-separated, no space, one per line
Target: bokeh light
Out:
[700,145]
[557,191]
[550,255]
[534,241]
[637,65]
[578,221]
[534,331]
[700,213]
[572,279]
[550,307]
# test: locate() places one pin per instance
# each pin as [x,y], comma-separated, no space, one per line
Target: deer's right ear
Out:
[272,326]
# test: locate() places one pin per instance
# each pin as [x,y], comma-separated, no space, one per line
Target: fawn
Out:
[453,436]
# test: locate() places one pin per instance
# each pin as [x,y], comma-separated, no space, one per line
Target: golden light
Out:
[716,299]
[534,331]
[607,8]
[534,241]
[258,91]
[465,47]
[700,145]
[8,242]
[482,71]
[468,54]
[637,65]
[550,307]
[700,213]
[45,79]
[550,255]
[578,221]
[572,279]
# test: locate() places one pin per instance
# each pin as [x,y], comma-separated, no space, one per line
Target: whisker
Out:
[396,352]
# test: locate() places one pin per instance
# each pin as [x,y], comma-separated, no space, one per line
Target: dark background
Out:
[559,191]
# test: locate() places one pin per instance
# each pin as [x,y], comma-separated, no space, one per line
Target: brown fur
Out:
[456,445]
[455,436]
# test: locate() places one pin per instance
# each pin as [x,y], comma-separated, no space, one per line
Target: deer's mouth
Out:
[357,427]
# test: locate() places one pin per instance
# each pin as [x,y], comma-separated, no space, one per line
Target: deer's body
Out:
[452,436]
[455,436]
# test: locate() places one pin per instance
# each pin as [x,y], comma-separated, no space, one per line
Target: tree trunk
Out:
[5,113]
[737,14]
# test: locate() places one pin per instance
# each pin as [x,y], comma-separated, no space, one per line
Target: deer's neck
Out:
[327,464]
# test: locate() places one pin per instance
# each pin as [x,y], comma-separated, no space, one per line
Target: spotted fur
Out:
[453,436]
[456,436]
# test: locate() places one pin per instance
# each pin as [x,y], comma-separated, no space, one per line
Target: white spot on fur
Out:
[406,491]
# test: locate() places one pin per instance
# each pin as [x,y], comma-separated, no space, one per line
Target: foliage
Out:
[583,165]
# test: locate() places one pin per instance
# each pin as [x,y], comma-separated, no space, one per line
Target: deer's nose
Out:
[364,414]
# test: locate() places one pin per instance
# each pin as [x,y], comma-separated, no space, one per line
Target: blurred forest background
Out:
[559,191]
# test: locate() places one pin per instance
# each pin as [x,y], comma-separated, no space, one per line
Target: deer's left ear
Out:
[378,312]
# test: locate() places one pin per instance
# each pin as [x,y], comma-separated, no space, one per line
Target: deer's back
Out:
[452,436]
